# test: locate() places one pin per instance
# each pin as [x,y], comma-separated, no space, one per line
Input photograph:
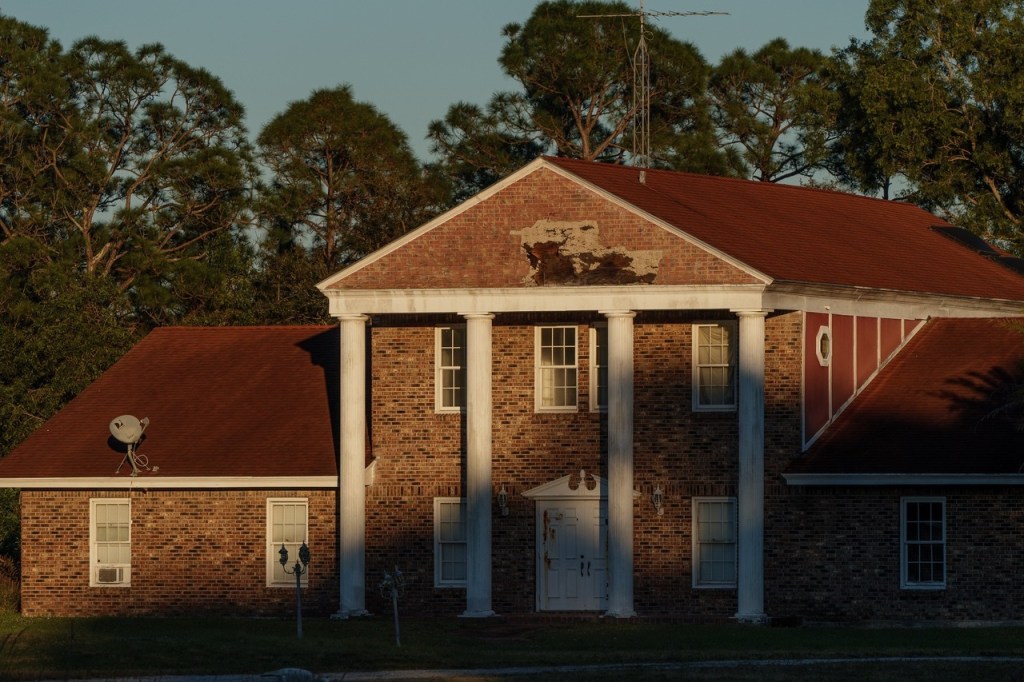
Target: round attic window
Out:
[823,346]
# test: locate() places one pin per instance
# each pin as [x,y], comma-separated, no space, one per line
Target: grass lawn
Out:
[68,648]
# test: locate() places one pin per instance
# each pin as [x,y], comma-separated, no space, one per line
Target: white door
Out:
[572,567]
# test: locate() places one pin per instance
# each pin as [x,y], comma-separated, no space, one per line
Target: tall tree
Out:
[941,94]
[122,164]
[775,107]
[125,178]
[574,63]
[344,182]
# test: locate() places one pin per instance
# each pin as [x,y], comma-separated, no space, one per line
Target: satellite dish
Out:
[128,429]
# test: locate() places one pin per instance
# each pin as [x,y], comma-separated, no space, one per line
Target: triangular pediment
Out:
[581,486]
[542,227]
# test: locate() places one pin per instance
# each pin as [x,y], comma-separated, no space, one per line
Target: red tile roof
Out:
[222,401]
[928,410]
[799,234]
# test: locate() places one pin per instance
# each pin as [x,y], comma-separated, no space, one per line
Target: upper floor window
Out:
[598,367]
[923,543]
[110,542]
[287,525]
[449,542]
[714,366]
[450,368]
[714,542]
[556,369]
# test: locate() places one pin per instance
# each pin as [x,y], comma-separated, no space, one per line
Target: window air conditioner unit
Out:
[109,576]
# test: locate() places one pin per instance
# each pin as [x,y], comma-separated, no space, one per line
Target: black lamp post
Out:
[297,571]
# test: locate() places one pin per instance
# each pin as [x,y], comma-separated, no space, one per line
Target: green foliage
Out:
[344,183]
[574,64]
[938,97]
[776,107]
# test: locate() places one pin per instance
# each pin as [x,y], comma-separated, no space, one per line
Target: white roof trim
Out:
[169,482]
[902,479]
[531,167]
[546,299]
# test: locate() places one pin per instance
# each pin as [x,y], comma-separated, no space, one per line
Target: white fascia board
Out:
[545,299]
[439,220]
[857,480]
[169,482]
[883,303]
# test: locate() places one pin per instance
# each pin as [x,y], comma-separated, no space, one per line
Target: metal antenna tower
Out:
[641,64]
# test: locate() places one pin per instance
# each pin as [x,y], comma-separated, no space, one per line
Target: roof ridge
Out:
[559,160]
[240,327]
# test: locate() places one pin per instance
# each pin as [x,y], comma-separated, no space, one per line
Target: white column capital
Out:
[751,312]
[477,316]
[617,313]
[351,317]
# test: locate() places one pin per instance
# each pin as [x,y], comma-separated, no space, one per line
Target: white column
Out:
[620,463]
[478,465]
[351,486]
[750,496]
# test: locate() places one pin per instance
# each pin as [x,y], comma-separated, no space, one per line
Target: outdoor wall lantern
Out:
[301,566]
[658,498]
[503,501]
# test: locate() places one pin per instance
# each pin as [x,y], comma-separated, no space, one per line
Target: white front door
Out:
[572,543]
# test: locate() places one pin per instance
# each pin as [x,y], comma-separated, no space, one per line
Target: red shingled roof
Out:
[222,401]
[929,410]
[799,234]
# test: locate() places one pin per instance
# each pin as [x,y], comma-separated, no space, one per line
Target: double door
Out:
[572,563]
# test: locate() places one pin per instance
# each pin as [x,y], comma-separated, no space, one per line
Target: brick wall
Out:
[192,552]
[833,554]
[420,455]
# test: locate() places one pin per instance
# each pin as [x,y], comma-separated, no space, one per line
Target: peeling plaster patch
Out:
[571,253]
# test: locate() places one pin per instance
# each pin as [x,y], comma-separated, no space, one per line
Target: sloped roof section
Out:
[222,402]
[934,408]
[804,235]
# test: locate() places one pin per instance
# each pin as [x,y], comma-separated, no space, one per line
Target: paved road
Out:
[298,675]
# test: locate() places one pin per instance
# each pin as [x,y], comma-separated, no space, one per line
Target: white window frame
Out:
[541,370]
[824,358]
[440,369]
[439,504]
[124,576]
[733,366]
[699,581]
[906,543]
[275,575]
[598,333]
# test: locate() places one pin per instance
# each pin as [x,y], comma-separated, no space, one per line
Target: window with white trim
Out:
[598,367]
[714,366]
[556,369]
[449,542]
[288,525]
[110,542]
[714,542]
[450,368]
[923,543]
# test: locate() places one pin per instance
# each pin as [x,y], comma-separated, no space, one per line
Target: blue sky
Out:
[409,58]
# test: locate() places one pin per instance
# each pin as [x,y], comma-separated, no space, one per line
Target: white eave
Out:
[545,299]
[874,480]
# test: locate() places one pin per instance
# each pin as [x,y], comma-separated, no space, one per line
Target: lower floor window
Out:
[449,542]
[714,542]
[110,542]
[287,526]
[923,543]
